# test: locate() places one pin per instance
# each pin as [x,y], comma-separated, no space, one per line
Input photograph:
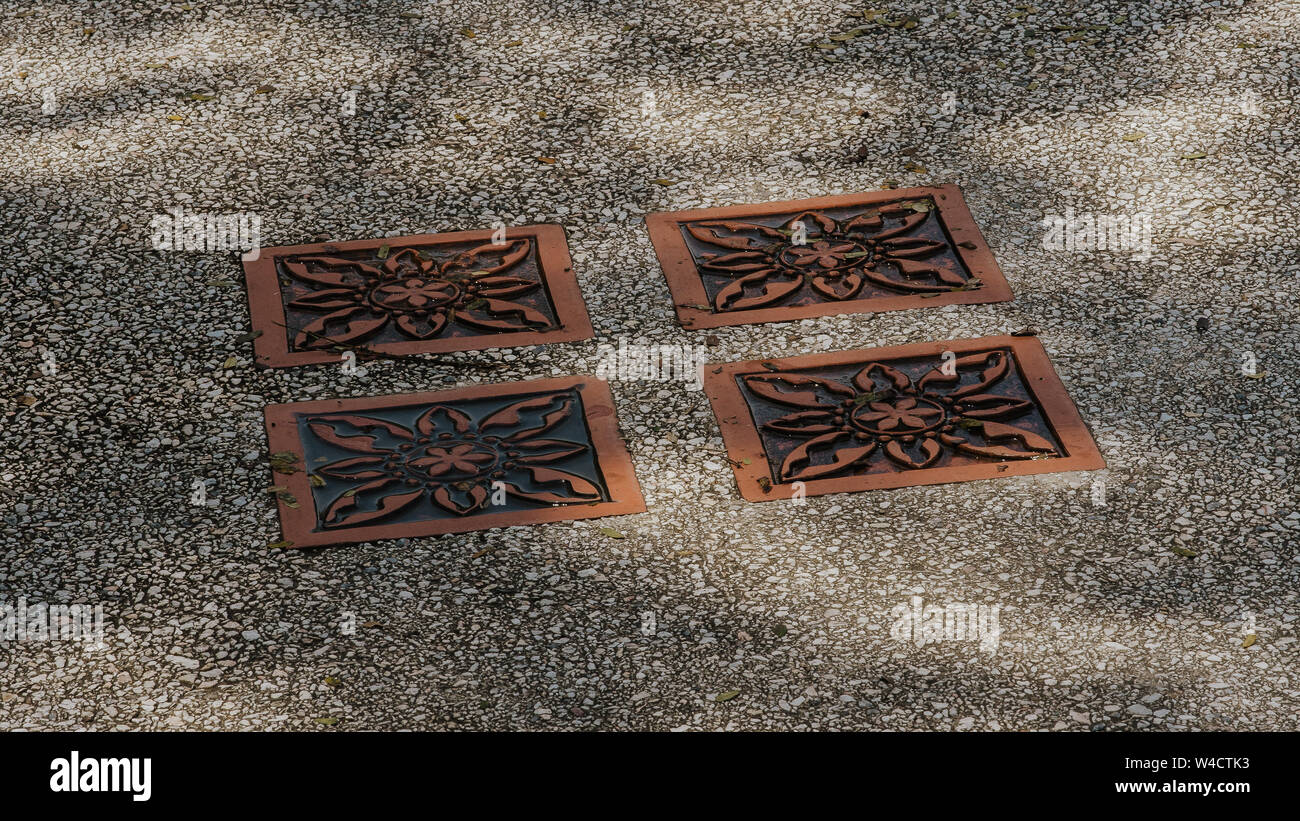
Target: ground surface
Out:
[767,615]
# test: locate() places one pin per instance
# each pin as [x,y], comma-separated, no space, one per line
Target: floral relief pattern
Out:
[885,414]
[413,294]
[450,460]
[814,254]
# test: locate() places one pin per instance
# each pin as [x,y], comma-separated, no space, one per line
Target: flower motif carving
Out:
[952,409]
[452,460]
[415,295]
[816,255]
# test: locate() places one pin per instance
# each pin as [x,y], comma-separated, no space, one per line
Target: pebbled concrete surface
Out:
[766,615]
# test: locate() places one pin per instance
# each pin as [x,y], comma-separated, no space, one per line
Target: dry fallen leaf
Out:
[285,461]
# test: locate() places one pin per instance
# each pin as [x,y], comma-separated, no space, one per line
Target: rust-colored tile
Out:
[858,253]
[430,293]
[354,470]
[913,415]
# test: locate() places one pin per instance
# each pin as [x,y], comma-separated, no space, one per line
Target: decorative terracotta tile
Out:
[353,470]
[421,294]
[856,253]
[914,415]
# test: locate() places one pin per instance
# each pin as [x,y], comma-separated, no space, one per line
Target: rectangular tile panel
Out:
[920,414]
[353,470]
[855,253]
[430,293]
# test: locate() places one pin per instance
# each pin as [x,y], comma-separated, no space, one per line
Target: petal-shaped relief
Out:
[489,259]
[546,411]
[460,501]
[900,285]
[553,487]
[996,431]
[702,231]
[992,406]
[814,392]
[930,453]
[991,374]
[425,327]
[740,227]
[442,419]
[812,220]
[407,262]
[507,308]
[735,264]
[540,451]
[312,335]
[798,464]
[908,224]
[865,379]
[328,299]
[505,286]
[358,324]
[917,270]
[845,287]
[373,500]
[731,297]
[911,247]
[991,451]
[804,423]
[483,322]
[358,467]
[867,223]
[434,465]
[492,316]
[360,434]
[332,271]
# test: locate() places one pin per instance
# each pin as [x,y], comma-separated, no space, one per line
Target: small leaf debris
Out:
[286,461]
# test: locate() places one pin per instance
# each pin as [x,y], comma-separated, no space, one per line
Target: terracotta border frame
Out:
[271,348]
[297,525]
[687,288]
[742,439]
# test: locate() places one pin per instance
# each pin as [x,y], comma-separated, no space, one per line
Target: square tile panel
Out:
[518,453]
[921,414]
[430,293]
[855,253]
